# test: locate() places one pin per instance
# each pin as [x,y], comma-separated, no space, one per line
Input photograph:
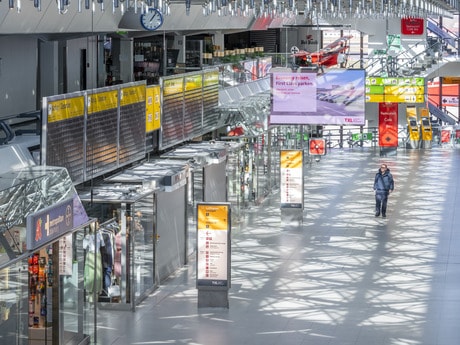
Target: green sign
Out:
[361,136]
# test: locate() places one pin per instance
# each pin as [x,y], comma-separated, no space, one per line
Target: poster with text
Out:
[213,241]
[336,97]
[388,124]
[293,96]
[291,179]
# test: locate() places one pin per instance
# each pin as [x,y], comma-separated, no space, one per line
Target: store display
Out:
[40,279]
[103,263]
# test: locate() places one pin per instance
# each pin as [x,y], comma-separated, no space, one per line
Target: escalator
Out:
[446,36]
[441,115]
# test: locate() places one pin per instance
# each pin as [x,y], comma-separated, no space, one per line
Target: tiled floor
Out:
[340,276]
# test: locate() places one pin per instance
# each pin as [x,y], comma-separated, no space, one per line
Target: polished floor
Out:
[339,276]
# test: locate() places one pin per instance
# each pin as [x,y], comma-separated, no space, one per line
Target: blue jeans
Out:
[381,199]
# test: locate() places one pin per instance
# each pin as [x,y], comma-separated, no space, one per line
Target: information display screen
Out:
[213,240]
[336,97]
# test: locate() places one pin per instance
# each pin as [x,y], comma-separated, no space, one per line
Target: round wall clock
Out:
[152,19]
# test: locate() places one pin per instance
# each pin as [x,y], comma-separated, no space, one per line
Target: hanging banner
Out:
[388,124]
[412,123]
[412,26]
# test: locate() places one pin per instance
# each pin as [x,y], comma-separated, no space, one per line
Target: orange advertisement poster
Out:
[388,124]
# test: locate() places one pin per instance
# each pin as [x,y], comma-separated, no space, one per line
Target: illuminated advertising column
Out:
[213,254]
[388,125]
[291,180]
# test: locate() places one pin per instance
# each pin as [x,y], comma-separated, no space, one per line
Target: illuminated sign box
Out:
[395,90]
[335,97]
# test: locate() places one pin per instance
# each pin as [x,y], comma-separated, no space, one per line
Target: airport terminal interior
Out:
[204,172]
[338,275]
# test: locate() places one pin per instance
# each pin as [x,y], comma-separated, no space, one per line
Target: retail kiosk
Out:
[208,160]
[144,213]
[41,275]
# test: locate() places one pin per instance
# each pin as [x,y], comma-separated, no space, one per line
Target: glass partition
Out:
[37,268]
[77,315]
[127,240]
[144,235]
[13,304]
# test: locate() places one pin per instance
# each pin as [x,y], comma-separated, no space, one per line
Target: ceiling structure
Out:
[63,17]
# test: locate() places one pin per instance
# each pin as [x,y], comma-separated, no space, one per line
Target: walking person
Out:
[383,186]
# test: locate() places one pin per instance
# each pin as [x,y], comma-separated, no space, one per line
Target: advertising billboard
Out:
[336,97]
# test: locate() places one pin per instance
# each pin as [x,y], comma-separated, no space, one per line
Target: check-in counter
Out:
[414,132]
[427,132]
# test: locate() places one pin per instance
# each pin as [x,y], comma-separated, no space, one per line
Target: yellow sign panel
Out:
[212,217]
[404,98]
[193,82]
[451,80]
[131,95]
[403,90]
[291,159]
[173,86]
[66,109]
[152,109]
[375,98]
[102,101]
[211,78]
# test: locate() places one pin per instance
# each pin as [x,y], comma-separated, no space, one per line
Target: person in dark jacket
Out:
[383,186]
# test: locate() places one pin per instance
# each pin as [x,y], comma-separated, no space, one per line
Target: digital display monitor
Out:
[336,97]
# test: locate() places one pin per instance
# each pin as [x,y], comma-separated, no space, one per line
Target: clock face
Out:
[152,19]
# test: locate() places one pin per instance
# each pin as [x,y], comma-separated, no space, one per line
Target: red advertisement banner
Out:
[388,124]
[412,26]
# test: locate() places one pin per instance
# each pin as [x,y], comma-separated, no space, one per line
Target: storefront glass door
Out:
[144,235]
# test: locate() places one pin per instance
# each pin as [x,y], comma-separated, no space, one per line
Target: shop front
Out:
[246,110]
[41,275]
[119,252]
[142,236]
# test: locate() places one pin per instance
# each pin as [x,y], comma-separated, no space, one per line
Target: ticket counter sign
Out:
[213,241]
